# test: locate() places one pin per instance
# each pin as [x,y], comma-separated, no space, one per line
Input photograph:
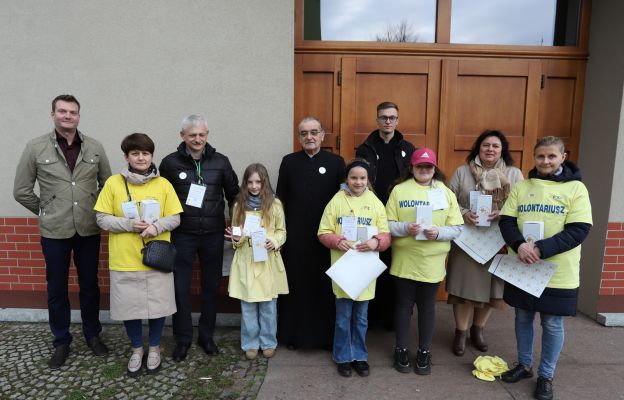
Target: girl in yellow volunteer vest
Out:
[257,284]
[356,207]
[554,195]
[424,217]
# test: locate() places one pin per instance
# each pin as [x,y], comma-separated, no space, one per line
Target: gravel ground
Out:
[26,347]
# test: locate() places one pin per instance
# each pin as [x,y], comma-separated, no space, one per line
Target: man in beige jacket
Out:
[70,168]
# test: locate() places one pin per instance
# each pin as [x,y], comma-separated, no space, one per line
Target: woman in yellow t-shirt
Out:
[424,217]
[137,291]
[554,195]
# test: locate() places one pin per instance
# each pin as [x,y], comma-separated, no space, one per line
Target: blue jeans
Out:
[350,331]
[552,340]
[57,254]
[259,325]
[134,329]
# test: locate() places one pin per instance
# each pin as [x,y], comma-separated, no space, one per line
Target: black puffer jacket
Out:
[219,179]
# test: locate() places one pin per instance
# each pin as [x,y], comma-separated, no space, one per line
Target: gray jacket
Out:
[65,201]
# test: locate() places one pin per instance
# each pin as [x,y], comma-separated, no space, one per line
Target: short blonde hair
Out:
[550,141]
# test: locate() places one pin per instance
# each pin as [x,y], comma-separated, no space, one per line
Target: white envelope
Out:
[484,208]
[355,270]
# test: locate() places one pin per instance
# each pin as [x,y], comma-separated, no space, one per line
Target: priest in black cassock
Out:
[307,180]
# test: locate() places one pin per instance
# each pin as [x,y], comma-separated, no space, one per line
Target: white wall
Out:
[143,65]
[616,213]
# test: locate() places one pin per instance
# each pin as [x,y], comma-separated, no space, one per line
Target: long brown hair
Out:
[266,194]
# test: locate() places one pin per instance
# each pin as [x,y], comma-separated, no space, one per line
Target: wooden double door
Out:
[445,103]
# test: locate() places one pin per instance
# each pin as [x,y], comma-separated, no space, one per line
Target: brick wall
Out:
[22,269]
[612,282]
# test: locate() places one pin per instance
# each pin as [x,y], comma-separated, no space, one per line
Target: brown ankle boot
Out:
[459,343]
[477,338]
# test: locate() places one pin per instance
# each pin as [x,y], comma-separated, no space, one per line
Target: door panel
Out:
[317,94]
[493,94]
[413,84]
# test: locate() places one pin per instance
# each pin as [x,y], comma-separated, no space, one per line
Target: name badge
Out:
[437,199]
[195,196]
[349,228]
[130,209]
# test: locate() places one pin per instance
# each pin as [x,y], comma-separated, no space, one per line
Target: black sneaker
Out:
[543,390]
[361,368]
[518,372]
[423,362]
[344,369]
[401,360]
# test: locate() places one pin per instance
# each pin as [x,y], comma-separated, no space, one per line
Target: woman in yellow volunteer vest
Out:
[138,292]
[555,195]
[423,216]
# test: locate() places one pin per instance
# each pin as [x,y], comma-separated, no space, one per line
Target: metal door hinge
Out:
[339,78]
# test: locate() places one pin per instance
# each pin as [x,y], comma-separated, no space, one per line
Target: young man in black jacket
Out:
[201,178]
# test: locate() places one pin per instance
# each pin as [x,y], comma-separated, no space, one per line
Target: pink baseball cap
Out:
[424,155]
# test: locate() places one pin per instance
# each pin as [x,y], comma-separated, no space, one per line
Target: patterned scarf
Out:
[491,181]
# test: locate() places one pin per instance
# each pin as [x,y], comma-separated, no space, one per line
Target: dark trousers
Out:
[57,254]
[209,248]
[423,294]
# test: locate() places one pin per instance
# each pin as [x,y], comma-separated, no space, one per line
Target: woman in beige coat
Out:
[137,291]
[471,288]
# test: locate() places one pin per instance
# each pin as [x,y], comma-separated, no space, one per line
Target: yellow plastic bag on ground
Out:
[487,368]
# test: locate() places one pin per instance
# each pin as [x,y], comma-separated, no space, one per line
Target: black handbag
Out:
[157,254]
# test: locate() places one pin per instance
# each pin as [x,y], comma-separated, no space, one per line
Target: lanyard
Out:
[200,180]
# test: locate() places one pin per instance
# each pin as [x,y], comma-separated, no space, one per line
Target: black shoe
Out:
[423,362]
[344,369]
[543,390]
[361,368]
[209,346]
[58,358]
[97,346]
[401,360]
[180,351]
[518,372]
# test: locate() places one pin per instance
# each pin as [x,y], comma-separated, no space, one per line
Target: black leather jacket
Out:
[179,168]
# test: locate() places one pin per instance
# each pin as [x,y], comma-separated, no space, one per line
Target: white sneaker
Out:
[153,360]
[135,363]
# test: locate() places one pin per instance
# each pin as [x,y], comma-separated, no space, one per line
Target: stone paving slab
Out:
[26,347]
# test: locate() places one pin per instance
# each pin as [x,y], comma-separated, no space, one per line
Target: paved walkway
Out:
[591,367]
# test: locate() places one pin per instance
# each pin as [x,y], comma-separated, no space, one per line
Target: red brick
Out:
[15,221]
[612,243]
[5,270]
[7,246]
[9,278]
[614,226]
[614,251]
[34,238]
[19,254]
[38,271]
[17,238]
[8,262]
[22,286]
[618,291]
[21,271]
[610,275]
[612,283]
[32,279]
[5,286]
[36,255]
[30,263]
[615,234]
[28,246]
[620,259]
[40,287]
[33,221]
[1,221]
[7,229]
[29,229]
[4,254]
[605,292]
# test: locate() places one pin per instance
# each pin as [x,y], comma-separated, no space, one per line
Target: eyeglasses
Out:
[383,118]
[313,133]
